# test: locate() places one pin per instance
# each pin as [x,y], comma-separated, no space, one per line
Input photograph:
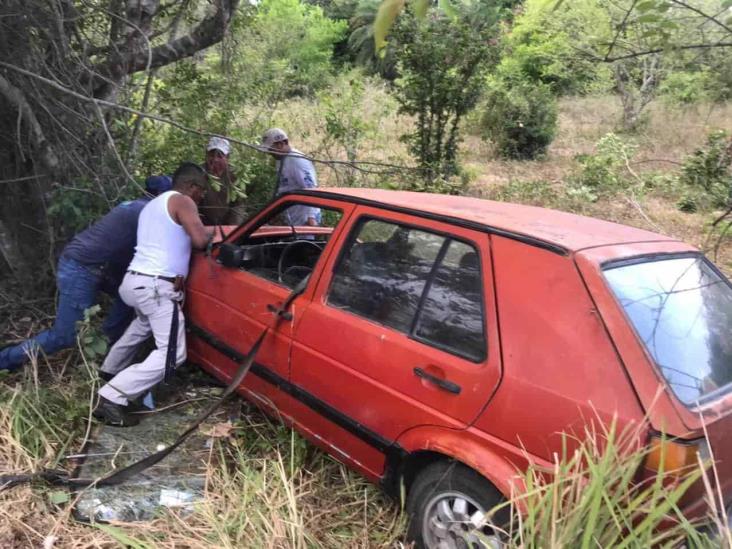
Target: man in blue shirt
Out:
[294,172]
[95,260]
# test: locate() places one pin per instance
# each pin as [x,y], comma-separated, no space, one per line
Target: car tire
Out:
[446,505]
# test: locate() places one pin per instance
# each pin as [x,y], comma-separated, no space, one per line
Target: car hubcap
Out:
[453,520]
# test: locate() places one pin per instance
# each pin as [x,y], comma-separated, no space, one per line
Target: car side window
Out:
[278,251]
[451,317]
[423,284]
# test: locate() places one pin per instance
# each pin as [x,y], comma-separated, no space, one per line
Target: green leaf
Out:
[648,5]
[420,7]
[649,18]
[121,537]
[385,17]
[448,8]
[99,346]
[726,3]
[58,497]
[669,25]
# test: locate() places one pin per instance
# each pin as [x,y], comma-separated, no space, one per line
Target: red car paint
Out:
[561,351]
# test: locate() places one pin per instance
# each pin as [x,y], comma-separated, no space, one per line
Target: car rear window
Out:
[681,308]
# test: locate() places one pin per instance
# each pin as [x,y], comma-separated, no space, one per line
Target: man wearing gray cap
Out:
[222,205]
[294,172]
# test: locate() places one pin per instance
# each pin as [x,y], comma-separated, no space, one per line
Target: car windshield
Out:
[682,310]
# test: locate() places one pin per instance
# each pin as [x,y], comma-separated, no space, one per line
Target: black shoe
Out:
[110,413]
[105,376]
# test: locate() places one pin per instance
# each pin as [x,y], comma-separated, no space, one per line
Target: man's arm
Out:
[184,211]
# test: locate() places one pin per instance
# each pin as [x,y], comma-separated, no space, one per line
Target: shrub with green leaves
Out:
[277,49]
[442,59]
[541,47]
[606,171]
[710,169]
[685,87]
[519,117]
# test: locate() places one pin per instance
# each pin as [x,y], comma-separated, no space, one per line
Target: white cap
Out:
[272,136]
[220,144]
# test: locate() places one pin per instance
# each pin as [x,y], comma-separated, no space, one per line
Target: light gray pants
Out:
[154,301]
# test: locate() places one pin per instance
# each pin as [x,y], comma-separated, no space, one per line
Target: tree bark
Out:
[16,98]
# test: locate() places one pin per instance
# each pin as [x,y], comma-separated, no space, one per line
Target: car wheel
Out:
[448,505]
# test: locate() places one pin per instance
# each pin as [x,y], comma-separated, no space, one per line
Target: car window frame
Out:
[350,239]
[257,220]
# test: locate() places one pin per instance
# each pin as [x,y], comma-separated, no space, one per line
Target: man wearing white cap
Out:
[294,172]
[221,206]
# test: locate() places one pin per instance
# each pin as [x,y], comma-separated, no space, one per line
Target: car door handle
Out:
[278,311]
[445,384]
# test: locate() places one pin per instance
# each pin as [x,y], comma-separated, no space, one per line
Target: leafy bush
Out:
[344,124]
[441,62]
[73,208]
[685,88]
[277,49]
[290,42]
[519,117]
[606,171]
[708,169]
[541,47]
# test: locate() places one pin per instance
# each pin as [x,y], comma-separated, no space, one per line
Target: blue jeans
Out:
[78,287]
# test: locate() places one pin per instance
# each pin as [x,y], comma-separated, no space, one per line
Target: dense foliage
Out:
[235,68]
[441,63]
[709,170]
[519,117]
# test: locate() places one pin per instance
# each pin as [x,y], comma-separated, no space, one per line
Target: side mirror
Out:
[230,255]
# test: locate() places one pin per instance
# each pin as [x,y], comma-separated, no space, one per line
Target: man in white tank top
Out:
[169,225]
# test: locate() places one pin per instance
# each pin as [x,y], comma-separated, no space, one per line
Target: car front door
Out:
[230,304]
[401,332]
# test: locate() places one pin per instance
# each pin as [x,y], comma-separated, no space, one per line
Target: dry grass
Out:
[669,135]
[266,487]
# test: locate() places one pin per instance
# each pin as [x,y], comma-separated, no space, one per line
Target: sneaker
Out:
[110,413]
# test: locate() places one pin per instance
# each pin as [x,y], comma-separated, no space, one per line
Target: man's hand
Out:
[184,211]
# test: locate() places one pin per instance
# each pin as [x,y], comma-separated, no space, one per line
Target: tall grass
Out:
[593,498]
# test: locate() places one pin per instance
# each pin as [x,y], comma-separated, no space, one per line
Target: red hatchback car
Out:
[440,343]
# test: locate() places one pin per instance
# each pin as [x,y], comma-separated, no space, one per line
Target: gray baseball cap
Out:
[219,143]
[272,136]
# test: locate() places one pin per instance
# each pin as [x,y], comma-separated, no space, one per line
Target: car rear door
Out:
[401,332]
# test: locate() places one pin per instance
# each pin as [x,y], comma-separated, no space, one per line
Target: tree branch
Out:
[16,98]
[706,16]
[207,33]
[655,50]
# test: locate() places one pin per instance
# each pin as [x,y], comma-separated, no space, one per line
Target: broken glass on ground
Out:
[177,482]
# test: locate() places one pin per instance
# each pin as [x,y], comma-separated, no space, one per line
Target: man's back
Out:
[295,173]
[163,246]
[111,239]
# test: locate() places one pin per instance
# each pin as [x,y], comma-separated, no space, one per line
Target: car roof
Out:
[560,231]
